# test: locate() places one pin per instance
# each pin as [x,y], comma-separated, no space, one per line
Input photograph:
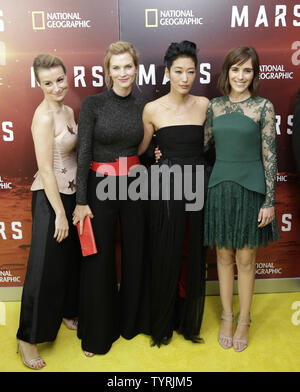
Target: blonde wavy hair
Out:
[116,48]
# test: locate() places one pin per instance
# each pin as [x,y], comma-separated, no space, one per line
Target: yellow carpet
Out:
[274,345]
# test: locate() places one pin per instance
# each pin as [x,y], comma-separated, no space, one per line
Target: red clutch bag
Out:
[87,239]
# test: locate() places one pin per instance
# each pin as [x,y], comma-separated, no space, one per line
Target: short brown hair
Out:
[46,61]
[239,55]
[119,47]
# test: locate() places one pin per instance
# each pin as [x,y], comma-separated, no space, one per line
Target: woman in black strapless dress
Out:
[178,288]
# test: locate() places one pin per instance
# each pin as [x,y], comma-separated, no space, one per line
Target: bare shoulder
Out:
[152,106]
[42,120]
[202,101]
[151,109]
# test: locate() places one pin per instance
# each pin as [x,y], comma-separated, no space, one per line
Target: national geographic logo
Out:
[58,20]
[38,20]
[151,17]
[274,72]
[156,18]
[5,184]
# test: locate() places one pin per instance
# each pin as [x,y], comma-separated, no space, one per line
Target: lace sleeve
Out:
[269,155]
[208,128]
[85,144]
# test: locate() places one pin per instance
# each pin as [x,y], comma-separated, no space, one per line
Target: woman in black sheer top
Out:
[109,128]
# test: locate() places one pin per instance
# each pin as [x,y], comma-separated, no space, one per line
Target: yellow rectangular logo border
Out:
[34,13]
[147,10]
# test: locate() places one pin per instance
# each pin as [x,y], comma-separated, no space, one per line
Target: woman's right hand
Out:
[158,154]
[61,227]
[79,214]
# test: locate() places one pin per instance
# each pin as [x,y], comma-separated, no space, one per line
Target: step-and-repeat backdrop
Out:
[80,31]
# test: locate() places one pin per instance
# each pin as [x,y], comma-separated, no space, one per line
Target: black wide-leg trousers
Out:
[106,311]
[51,287]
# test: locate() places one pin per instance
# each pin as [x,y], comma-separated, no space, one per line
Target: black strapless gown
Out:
[178,283]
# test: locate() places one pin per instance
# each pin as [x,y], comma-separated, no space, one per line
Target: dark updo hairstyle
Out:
[239,55]
[180,49]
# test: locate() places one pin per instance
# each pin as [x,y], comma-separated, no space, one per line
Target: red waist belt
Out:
[121,167]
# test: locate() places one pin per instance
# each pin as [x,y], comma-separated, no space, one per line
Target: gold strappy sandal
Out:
[244,321]
[35,363]
[226,317]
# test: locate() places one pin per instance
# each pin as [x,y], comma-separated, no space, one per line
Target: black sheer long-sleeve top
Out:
[109,127]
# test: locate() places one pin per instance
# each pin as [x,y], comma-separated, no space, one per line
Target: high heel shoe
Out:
[226,317]
[88,354]
[71,324]
[35,363]
[244,321]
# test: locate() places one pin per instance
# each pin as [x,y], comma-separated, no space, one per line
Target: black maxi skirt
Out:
[106,311]
[51,287]
[171,307]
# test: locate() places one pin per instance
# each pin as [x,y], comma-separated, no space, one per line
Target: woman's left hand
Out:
[265,216]
[158,154]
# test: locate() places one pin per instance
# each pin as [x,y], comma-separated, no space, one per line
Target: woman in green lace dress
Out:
[240,214]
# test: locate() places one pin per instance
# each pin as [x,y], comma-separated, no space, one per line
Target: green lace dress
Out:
[244,175]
